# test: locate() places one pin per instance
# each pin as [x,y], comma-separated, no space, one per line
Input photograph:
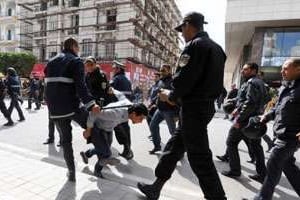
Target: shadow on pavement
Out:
[67,192]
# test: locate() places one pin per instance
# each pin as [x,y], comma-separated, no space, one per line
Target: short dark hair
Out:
[139,109]
[166,66]
[70,43]
[253,66]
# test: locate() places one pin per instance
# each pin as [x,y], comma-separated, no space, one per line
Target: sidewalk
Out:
[24,178]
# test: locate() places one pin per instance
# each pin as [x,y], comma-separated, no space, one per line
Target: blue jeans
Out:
[102,142]
[157,118]
[281,160]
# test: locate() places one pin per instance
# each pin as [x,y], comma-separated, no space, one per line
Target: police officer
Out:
[250,102]
[34,90]
[3,108]
[198,81]
[13,86]
[120,82]
[65,89]
[286,115]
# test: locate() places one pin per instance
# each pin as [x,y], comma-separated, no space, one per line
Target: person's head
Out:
[137,112]
[11,71]
[192,24]
[291,69]
[165,70]
[71,45]
[249,70]
[90,64]
[156,76]
[118,67]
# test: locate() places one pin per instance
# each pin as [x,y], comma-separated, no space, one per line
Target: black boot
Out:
[127,153]
[9,123]
[152,192]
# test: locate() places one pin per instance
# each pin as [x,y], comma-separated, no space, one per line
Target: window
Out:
[9,36]
[74,3]
[87,47]
[9,12]
[43,27]
[53,23]
[110,50]
[280,44]
[43,5]
[74,24]
[111,19]
[53,3]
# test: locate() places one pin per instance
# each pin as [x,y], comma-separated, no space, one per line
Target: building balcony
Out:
[8,42]
[8,18]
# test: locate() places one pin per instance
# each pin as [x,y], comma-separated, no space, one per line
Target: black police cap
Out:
[193,18]
[255,129]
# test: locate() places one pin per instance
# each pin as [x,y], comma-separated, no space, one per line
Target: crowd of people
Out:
[185,100]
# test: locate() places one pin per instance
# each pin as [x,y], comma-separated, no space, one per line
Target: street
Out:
[25,139]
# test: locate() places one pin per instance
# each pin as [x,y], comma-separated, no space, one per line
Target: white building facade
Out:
[263,31]
[138,30]
[9,26]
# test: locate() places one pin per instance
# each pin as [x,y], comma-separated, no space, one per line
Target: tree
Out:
[22,62]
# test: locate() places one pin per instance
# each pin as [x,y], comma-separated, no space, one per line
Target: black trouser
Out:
[4,110]
[122,132]
[33,97]
[64,128]
[281,160]
[234,138]
[14,103]
[191,136]
[102,141]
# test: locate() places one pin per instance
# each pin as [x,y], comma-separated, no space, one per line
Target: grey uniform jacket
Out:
[108,119]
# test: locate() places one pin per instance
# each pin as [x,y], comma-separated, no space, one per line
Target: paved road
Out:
[26,138]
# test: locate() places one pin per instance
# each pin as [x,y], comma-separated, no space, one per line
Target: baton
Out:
[113,107]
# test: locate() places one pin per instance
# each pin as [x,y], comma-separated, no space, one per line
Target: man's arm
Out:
[253,98]
[187,75]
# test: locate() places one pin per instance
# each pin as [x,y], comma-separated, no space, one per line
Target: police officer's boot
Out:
[10,121]
[152,191]
[69,158]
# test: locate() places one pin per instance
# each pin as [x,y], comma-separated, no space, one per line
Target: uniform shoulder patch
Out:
[184,60]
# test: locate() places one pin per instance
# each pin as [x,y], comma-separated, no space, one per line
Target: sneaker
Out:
[127,155]
[109,161]
[85,159]
[231,174]
[153,151]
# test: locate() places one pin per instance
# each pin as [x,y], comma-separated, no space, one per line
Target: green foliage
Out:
[22,62]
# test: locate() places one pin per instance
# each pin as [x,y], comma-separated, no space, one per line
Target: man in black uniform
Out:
[13,84]
[197,83]
[98,85]
[3,108]
[286,115]
[120,82]
[250,102]
[65,89]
